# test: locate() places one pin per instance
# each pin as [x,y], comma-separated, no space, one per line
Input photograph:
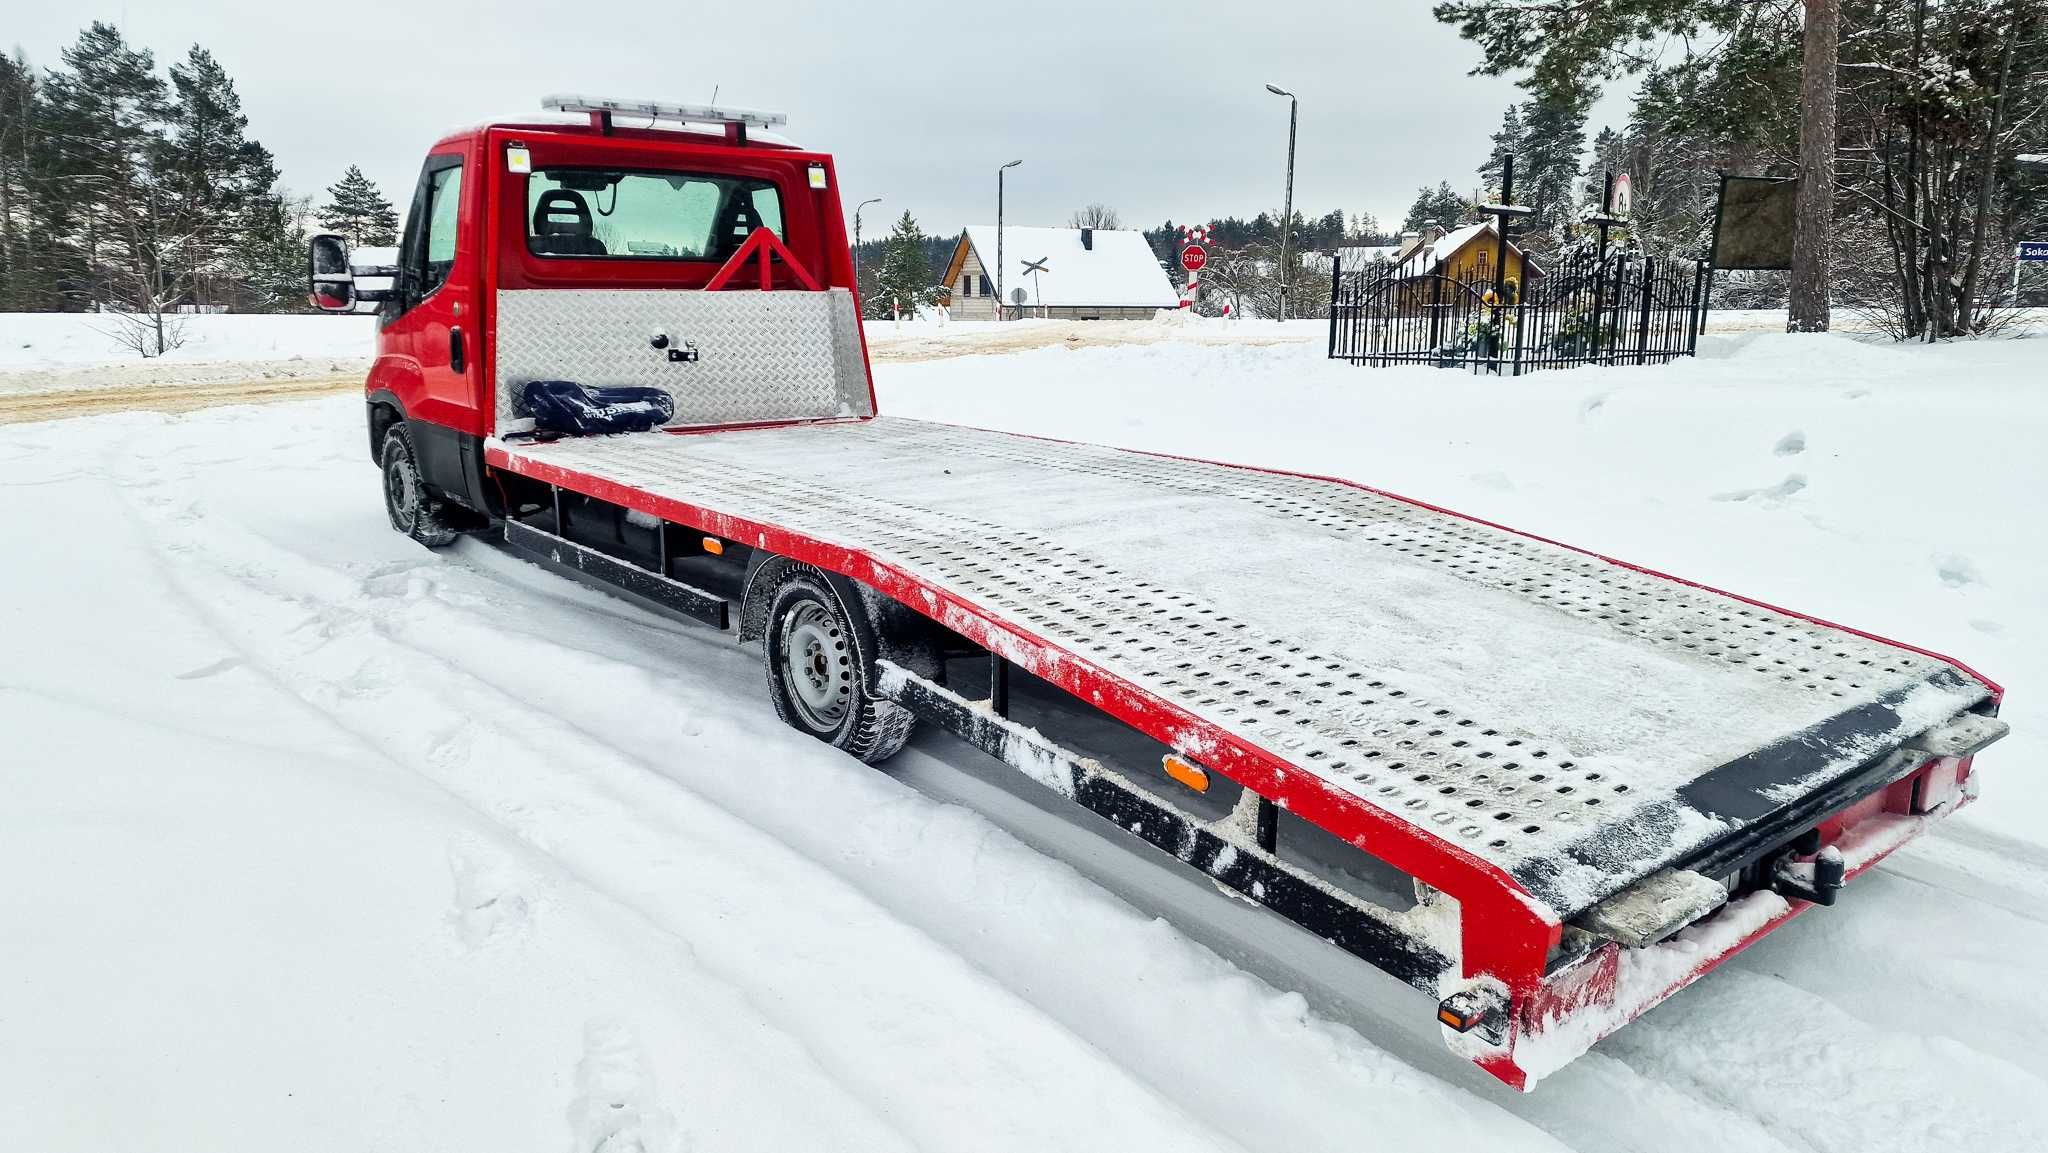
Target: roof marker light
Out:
[818,177]
[518,159]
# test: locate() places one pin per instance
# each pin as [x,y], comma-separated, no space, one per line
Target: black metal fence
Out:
[1583,309]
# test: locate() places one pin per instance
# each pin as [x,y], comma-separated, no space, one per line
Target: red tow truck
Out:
[1547,788]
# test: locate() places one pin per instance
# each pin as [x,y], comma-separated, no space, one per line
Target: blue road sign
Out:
[2033,250]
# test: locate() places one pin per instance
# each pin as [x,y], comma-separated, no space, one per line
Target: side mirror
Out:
[328,275]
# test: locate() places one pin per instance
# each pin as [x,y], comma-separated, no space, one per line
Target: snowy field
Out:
[321,841]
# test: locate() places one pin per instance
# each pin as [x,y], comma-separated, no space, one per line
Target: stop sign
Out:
[1194,257]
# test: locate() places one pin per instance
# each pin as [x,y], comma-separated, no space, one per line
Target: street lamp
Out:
[1287,210]
[856,237]
[999,234]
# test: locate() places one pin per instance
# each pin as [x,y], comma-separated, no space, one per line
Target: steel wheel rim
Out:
[401,491]
[817,666]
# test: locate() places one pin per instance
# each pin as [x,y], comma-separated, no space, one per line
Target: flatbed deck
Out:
[1575,723]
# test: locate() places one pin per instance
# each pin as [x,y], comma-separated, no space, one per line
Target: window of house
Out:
[985,290]
[966,285]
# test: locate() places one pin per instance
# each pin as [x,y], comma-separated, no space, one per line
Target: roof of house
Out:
[1120,272]
[1354,255]
[1430,257]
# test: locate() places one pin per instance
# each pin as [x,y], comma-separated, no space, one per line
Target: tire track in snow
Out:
[711,860]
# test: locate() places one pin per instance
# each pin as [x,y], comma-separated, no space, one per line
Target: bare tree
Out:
[1096,215]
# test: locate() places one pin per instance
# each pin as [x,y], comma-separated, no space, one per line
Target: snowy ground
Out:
[325,842]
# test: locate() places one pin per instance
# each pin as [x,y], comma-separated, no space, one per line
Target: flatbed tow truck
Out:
[1546,787]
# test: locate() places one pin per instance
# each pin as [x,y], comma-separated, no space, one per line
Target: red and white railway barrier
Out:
[1193,257]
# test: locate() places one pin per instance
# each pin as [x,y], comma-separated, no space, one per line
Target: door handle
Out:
[458,361]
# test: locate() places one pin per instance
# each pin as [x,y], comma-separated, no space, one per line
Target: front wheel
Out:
[817,662]
[412,511]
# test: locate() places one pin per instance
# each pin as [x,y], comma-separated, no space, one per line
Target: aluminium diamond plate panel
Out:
[760,355]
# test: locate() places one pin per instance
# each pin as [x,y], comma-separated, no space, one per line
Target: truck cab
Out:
[584,241]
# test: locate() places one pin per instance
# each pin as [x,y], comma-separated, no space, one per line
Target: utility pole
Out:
[856,237]
[1287,209]
[999,234]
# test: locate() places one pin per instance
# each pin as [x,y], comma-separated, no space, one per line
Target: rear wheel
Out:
[817,658]
[412,511]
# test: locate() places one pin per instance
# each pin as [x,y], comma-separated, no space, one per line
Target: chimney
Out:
[1088,239]
[1410,241]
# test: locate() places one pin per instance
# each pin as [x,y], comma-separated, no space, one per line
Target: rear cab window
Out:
[590,213]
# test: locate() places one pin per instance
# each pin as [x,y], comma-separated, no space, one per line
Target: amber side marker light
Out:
[714,546]
[1470,1009]
[1187,773]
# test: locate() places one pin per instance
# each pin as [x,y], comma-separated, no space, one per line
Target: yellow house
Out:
[1469,255]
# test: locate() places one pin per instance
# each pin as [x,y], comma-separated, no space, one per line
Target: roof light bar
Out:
[654,109]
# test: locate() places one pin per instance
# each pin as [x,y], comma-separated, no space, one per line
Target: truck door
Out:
[440,320]
[434,325]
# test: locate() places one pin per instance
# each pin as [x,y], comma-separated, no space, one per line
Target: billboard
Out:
[1753,223]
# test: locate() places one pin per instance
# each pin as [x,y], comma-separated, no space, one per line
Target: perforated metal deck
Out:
[1575,722]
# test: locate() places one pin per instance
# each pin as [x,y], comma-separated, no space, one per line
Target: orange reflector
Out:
[714,546]
[1453,1020]
[1187,773]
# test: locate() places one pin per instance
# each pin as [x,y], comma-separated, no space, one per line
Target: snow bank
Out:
[54,340]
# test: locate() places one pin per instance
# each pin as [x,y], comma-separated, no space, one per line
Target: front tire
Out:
[818,658]
[412,511]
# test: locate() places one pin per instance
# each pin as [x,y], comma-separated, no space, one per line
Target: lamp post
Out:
[1287,210]
[856,237]
[999,234]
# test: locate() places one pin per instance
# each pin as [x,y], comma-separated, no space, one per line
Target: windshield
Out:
[588,212]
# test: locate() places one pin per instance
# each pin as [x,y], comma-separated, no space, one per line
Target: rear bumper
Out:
[1585,1000]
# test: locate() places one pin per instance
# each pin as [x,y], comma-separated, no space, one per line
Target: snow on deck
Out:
[1515,698]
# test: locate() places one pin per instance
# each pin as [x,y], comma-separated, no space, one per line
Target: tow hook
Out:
[1817,880]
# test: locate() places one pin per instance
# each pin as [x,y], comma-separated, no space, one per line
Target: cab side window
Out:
[427,251]
[444,194]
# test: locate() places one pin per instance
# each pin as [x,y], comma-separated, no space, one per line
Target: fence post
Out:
[1521,321]
[1336,279]
[1649,299]
[1436,313]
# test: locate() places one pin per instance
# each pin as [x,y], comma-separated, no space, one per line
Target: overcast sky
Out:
[1157,110]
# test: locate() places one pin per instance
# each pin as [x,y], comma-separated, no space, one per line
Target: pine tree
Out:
[1507,141]
[904,283]
[105,116]
[223,181]
[357,210]
[1553,144]
[1441,205]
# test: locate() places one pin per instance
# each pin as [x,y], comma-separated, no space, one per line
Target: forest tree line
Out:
[129,189]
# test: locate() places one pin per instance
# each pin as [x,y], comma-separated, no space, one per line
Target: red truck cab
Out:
[599,197]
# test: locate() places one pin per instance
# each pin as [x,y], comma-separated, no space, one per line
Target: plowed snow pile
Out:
[318,840]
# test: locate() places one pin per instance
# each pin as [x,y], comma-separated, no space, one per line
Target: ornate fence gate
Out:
[1584,309]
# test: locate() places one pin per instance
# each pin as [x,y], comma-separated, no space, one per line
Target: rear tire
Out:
[412,511]
[818,659]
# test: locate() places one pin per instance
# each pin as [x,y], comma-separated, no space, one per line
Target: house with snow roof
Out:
[1087,274]
[1468,255]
